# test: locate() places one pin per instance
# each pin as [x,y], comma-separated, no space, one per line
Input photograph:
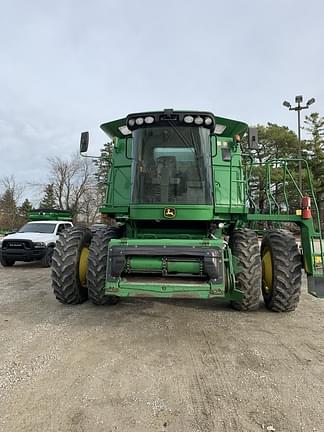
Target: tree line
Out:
[78,184]
[73,185]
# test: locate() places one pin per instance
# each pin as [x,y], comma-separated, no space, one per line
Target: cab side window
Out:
[60,228]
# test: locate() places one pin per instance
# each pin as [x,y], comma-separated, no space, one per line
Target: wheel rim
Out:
[267,272]
[83,265]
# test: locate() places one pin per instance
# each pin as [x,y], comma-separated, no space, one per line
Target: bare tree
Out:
[74,186]
[11,184]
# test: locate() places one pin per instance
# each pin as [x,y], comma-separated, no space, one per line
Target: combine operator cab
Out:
[171,158]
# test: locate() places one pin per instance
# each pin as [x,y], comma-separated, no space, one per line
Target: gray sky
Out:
[67,66]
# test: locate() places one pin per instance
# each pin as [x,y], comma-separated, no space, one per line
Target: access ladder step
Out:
[315,284]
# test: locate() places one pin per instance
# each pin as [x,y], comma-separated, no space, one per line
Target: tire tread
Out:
[65,265]
[287,270]
[245,247]
[98,254]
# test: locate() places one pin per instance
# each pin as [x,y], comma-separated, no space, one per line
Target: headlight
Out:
[39,245]
[149,120]
[139,121]
[188,119]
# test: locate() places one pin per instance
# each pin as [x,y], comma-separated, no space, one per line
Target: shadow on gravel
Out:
[211,305]
[25,266]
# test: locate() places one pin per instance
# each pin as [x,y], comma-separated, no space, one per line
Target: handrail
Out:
[286,161]
[284,164]
[243,180]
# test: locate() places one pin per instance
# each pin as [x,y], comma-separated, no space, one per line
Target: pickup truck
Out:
[34,241]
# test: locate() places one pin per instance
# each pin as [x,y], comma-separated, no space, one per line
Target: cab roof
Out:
[49,222]
[226,127]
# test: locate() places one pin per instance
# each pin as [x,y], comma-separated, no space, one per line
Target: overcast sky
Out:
[67,66]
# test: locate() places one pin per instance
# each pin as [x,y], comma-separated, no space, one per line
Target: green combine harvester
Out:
[44,214]
[182,221]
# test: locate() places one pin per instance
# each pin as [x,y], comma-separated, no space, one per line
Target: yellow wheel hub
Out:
[267,272]
[83,265]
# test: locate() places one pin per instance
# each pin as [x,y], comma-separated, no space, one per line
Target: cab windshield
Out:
[44,228]
[171,165]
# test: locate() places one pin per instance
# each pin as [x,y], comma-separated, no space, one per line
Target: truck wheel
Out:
[96,275]
[245,247]
[281,271]
[69,265]
[7,262]
[46,261]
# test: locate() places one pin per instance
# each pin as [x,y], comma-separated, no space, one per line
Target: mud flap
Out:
[316,285]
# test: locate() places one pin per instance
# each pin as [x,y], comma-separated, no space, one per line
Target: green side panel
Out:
[223,190]
[182,212]
[229,183]
[119,183]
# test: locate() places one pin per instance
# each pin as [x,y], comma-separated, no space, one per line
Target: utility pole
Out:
[298,108]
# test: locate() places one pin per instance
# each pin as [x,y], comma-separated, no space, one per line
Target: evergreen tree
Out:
[8,209]
[25,208]
[48,200]
[314,153]
[103,164]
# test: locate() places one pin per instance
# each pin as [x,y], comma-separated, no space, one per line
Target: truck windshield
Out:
[44,228]
[171,165]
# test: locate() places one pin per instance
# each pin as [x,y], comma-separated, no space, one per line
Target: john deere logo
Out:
[169,213]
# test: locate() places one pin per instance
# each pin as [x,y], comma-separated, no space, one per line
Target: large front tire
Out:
[46,261]
[245,248]
[69,266]
[96,275]
[281,271]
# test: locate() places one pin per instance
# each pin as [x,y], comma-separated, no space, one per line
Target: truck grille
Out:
[17,244]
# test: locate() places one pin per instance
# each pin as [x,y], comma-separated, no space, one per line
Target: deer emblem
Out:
[169,212]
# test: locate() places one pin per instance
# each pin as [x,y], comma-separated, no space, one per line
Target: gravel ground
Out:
[151,366]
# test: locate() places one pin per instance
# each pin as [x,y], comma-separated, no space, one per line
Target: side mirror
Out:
[253,138]
[84,142]
[10,232]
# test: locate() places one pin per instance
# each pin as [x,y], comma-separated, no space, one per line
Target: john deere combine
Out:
[182,218]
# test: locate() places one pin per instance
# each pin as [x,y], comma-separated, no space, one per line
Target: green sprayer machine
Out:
[181,220]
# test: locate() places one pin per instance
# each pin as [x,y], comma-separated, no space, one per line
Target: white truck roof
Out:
[49,221]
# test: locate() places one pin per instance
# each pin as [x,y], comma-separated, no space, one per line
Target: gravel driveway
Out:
[151,366]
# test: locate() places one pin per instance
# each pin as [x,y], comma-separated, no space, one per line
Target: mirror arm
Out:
[88,156]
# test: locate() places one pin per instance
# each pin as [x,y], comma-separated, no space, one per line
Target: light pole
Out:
[298,108]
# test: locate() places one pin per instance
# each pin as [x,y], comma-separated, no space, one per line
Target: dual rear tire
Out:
[276,272]
[79,266]
[281,271]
